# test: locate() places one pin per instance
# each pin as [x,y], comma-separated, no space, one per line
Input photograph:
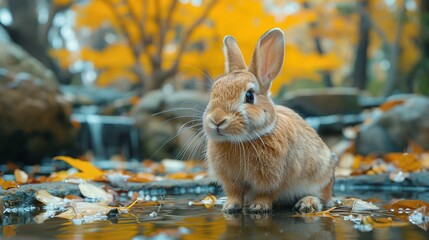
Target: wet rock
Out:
[34,118]
[323,102]
[169,124]
[391,131]
[24,196]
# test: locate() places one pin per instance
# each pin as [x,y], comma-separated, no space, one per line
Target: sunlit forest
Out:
[185,119]
[380,46]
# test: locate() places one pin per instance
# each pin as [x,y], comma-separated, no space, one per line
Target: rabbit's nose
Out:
[218,122]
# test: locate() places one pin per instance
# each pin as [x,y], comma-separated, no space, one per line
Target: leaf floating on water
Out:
[358,205]
[209,201]
[91,191]
[21,177]
[87,170]
[9,185]
[1,180]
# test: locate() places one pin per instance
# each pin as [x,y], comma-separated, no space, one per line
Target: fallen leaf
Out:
[46,198]
[406,206]
[358,205]
[391,104]
[88,171]
[9,184]
[91,191]
[21,177]
[406,162]
[1,180]
[142,177]
[180,176]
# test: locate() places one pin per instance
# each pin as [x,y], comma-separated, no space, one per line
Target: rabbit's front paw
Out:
[232,206]
[308,204]
[260,207]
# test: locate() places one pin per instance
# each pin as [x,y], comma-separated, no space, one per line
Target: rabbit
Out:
[262,153]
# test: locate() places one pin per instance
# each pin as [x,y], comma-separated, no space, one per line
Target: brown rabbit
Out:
[261,152]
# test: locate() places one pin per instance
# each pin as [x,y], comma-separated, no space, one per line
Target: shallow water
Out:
[177,220]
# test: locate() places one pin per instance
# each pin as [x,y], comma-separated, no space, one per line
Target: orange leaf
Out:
[413,147]
[180,176]
[391,104]
[1,180]
[142,177]
[404,161]
[402,208]
[9,184]
[88,171]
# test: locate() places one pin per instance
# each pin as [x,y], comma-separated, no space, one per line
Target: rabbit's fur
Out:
[260,152]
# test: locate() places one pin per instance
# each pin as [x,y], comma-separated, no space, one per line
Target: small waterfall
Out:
[106,136]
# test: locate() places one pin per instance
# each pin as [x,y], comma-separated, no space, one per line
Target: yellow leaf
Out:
[88,171]
[180,176]
[9,184]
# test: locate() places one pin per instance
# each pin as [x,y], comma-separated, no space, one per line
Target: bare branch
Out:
[136,50]
[165,28]
[187,35]
[123,28]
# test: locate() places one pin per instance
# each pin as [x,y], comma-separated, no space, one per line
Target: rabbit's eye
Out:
[250,97]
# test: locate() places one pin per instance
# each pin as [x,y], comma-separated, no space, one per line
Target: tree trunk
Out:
[360,64]
[392,81]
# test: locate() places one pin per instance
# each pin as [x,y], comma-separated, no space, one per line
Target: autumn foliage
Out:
[151,42]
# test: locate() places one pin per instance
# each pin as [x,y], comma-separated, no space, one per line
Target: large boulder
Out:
[392,130]
[34,118]
[170,123]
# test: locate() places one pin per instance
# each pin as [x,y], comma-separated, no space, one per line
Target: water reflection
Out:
[180,221]
[277,226]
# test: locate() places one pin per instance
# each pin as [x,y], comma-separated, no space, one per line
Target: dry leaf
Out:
[142,177]
[406,162]
[46,198]
[9,184]
[88,171]
[1,180]
[180,176]
[406,206]
[91,191]
[21,177]
[358,205]
[391,104]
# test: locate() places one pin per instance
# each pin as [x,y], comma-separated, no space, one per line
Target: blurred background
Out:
[128,79]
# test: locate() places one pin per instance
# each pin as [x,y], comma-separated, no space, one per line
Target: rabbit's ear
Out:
[267,59]
[233,58]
